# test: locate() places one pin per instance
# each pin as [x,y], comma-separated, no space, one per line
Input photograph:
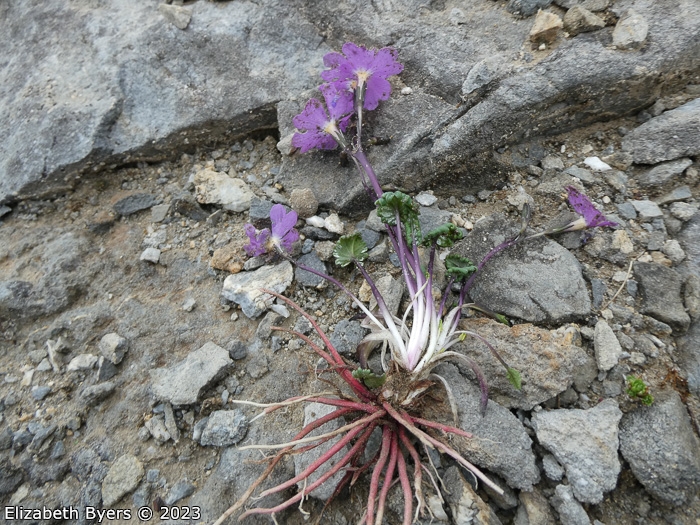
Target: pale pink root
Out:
[406,487]
[316,464]
[374,481]
[439,426]
[417,470]
[388,477]
[353,405]
[359,445]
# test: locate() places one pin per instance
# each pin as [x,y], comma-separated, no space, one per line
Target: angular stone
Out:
[133,203]
[113,347]
[585,443]
[647,210]
[227,258]
[607,347]
[177,15]
[580,20]
[346,336]
[546,28]
[123,477]
[681,193]
[218,188]
[526,7]
[661,294]
[662,173]
[534,509]
[630,31]
[499,443]
[689,357]
[511,283]
[181,383]
[571,512]
[306,278]
[663,451]
[547,360]
[244,288]
[671,135]
[224,428]
[466,505]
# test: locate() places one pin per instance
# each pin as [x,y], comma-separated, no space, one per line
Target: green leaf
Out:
[350,248]
[369,378]
[393,202]
[514,378]
[502,319]
[444,236]
[459,267]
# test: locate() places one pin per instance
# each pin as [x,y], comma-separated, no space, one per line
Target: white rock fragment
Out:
[596,164]
[151,255]
[426,199]
[406,91]
[333,224]
[123,477]
[245,288]
[316,221]
[189,304]
[177,15]
[82,362]
[231,194]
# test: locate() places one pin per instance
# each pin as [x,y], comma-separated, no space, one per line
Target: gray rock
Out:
[607,347]
[92,395]
[41,437]
[681,193]
[526,7]
[312,412]
[689,356]
[134,203]
[123,477]
[40,392]
[112,101]
[570,511]
[346,336]
[552,162]
[304,202]
[244,288]
[547,361]
[661,294]
[647,210]
[181,490]
[586,176]
[305,278]
[156,427]
[585,443]
[431,218]
[106,370]
[113,347]
[466,505]
[683,211]
[630,31]
[151,255]
[499,443]
[591,5]
[666,462]
[511,282]
[181,383]
[159,212]
[224,428]
[391,290]
[186,205]
[662,173]
[534,509]
[669,136]
[237,350]
[177,15]
[170,423]
[552,468]
[580,20]
[598,289]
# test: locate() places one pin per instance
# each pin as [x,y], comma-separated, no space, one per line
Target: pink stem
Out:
[356,385]
[374,481]
[406,486]
[445,428]
[417,472]
[354,405]
[343,461]
[323,458]
[388,477]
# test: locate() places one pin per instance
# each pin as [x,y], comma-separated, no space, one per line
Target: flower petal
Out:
[313,116]
[282,221]
[378,88]
[339,102]
[386,63]
[313,139]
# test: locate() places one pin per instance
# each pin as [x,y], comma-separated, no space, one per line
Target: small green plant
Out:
[638,389]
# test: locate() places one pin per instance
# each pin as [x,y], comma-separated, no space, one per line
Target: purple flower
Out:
[282,237]
[359,66]
[283,232]
[323,130]
[258,241]
[592,218]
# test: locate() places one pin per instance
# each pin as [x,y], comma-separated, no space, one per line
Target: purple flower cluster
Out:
[358,69]
[282,236]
